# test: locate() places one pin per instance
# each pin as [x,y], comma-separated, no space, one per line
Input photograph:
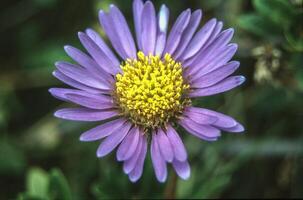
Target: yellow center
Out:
[150,91]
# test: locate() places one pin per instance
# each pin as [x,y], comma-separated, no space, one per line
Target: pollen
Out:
[151,90]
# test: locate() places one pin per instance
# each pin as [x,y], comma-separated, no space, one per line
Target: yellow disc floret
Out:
[150,90]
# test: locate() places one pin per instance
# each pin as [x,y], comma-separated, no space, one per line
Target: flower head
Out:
[146,90]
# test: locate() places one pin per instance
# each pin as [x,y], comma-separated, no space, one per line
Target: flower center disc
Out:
[150,91]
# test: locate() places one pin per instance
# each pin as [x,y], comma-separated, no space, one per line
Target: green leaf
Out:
[12,160]
[59,187]
[259,26]
[278,11]
[37,183]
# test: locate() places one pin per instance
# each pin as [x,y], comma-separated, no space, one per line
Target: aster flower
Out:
[145,89]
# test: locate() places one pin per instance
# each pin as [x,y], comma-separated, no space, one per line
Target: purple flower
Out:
[145,90]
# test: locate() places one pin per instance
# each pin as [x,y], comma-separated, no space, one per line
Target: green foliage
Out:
[44,186]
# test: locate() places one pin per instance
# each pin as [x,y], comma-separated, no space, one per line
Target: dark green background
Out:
[42,158]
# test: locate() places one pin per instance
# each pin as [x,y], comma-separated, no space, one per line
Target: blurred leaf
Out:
[258,25]
[37,183]
[12,160]
[296,42]
[59,188]
[278,11]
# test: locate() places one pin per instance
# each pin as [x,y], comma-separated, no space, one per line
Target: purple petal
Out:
[236,129]
[103,46]
[99,56]
[59,75]
[214,62]
[85,114]
[88,63]
[214,34]
[124,35]
[128,145]
[113,140]
[175,34]
[216,75]
[204,132]
[91,101]
[149,29]
[79,74]
[158,161]
[188,33]
[217,45]
[60,93]
[107,25]
[223,121]
[130,164]
[223,86]
[137,171]
[163,18]
[182,169]
[200,118]
[137,11]
[102,131]
[199,39]
[165,146]
[177,144]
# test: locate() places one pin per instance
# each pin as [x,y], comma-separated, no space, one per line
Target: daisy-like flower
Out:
[145,89]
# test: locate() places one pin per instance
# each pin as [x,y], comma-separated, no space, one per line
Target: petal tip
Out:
[67,47]
[241,79]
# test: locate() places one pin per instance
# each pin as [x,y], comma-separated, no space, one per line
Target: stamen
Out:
[150,92]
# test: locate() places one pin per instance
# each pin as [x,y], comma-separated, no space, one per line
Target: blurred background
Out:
[41,157]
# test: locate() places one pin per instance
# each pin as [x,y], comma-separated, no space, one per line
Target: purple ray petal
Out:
[175,34]
[113,140]
[124,35]
[223,121]
[204,60]
[91,101]
[177,144]
[137,12]
[85,114]
[59,75]
[165,146]
[88,63]
[136,173]
[163,18]
[149,29]
[236,129]
[128,145]
[199,39]
[158,161]
[103,46]
[60,93]
[214,62]
[79,74]
[200,118]
[102,131]
[107,25]
[188,33]
[99,56]
[182,169]
[205,130]
[223,86]
[130,164]
[216,75]
[221,41]
[214,34]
